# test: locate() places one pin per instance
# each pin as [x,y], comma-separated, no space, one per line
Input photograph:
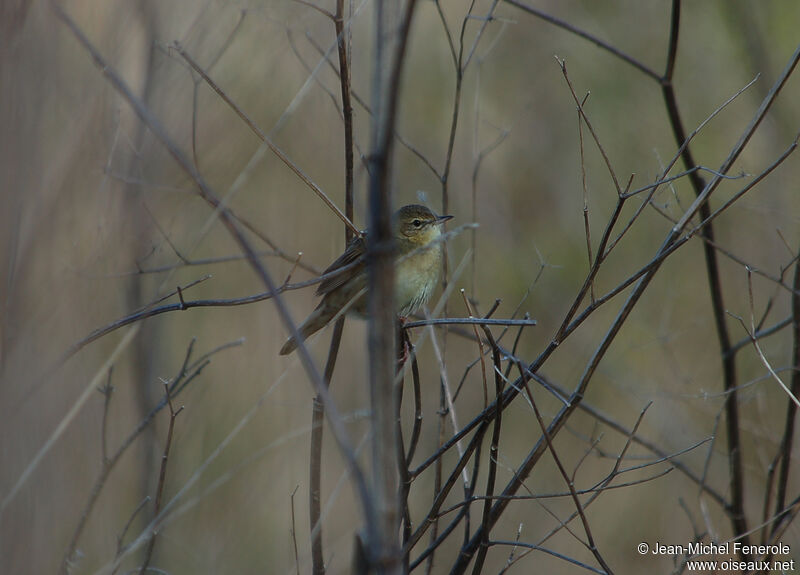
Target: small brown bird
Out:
[419,257]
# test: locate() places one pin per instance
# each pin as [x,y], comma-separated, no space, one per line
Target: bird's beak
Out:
[443,219]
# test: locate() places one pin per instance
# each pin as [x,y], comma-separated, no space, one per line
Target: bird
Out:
[416,231]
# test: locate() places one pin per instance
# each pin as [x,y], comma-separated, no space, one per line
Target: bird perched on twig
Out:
[419,257]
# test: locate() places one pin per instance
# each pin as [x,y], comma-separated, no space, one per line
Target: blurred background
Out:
[98,221]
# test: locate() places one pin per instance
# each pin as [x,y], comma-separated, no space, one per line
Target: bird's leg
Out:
[404,349]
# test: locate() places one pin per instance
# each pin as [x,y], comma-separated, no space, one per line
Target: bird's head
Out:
[417,224]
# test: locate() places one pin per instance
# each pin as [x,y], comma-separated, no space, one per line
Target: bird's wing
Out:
[355,251]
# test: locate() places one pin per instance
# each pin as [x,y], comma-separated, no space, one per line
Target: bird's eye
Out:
[417,223]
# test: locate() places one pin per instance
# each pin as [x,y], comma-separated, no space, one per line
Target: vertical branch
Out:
[729,373]
[318,408]
[475,168]
[347,113]
[162,478]
[587,228]
[314,486]
[451,140]
[404,347]
[294,534]
[315,470]
[383,549]
[106,390]
[417,427]
[437,474]
[448,162]
[791,409]
[490,480]
[479,341]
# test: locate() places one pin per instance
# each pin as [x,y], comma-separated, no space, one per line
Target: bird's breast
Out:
[415,279]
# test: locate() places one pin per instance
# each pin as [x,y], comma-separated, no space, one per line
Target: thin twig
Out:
[469,321]
[403,351]
[437,482]
[579,103]
[315,457]
[162,476]
[586,227]
[417,426]
[590,544]
[757,347]
[151,310]
[121,536]
[787,440]
[479,341]
[585,35]
[196,82]
[294,533]
[533,547]
[106,390]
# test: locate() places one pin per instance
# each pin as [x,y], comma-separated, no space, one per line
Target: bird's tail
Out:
[316,321]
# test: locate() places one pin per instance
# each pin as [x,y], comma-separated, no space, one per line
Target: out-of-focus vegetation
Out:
[97,221]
